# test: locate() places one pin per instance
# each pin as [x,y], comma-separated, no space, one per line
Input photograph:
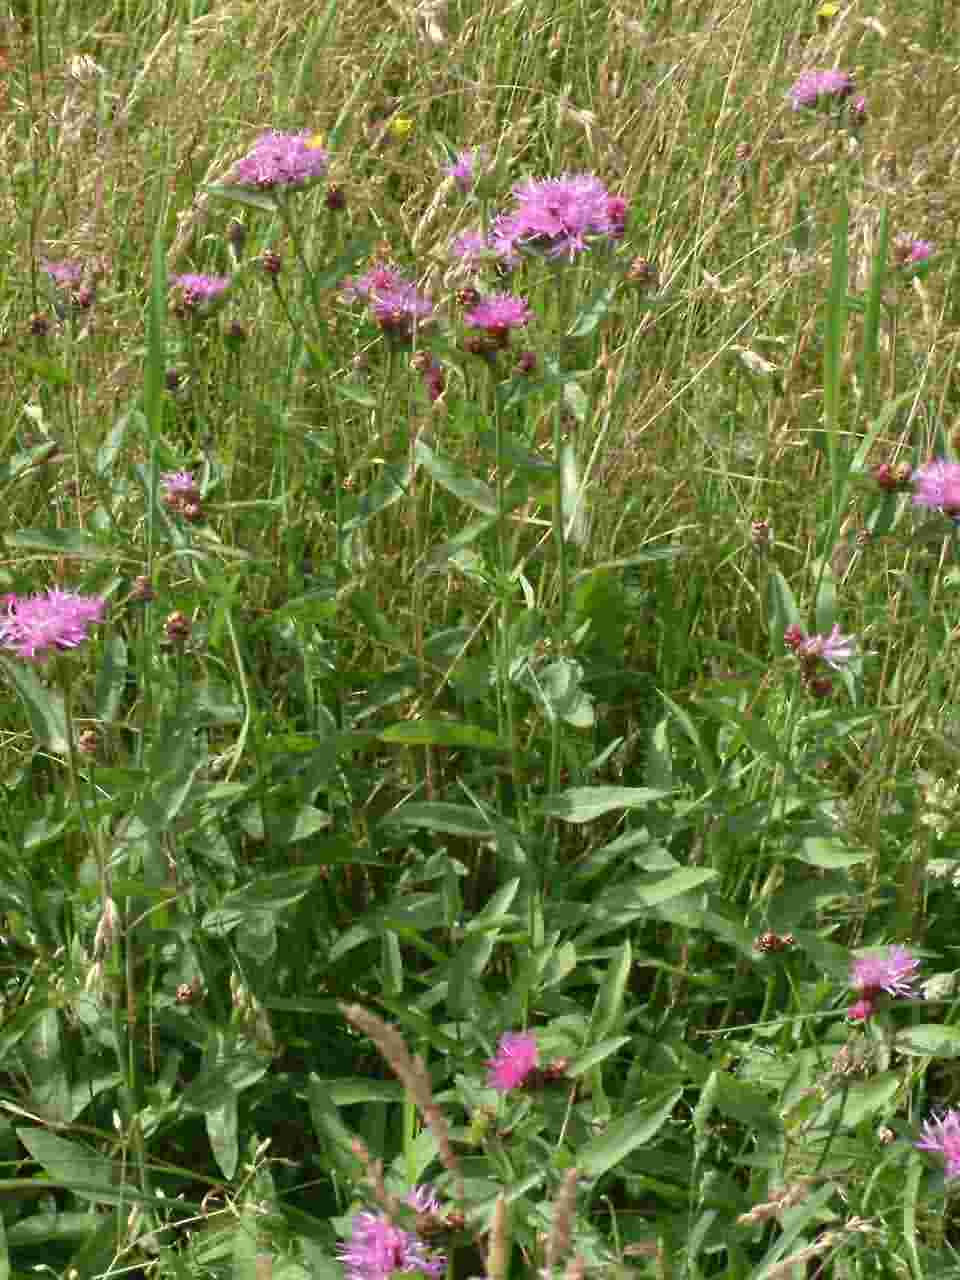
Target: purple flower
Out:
[200,292]
[471,248]
[560,216]
[515,1058]
[892,971]
[820,88]
[835,649]
[179,483]
[857,110]
[376,1248]
[399,310]
[379,279]
[497,313]
[37,626]
[280,160]
[942,1135]
[66,274]
[937,486]
[908,252]
[464,168]
[423,1200]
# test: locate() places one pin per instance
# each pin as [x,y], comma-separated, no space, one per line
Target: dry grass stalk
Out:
[498,1246]
[561,1231]
[412,1074]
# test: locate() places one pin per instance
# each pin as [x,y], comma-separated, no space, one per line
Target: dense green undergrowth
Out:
[584,680]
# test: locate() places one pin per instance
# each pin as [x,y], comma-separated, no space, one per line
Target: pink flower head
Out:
[835,649]
[857,110]
[560,216]
[379,279]
[893,971]
[497,313]
[200,292]
[820,88]
[66,274]
[180,484]
[471,248]
[280,160]
[463,170]
[376,1249]
[937,486]
[942,1135]
[862,1011]
[909,252]
[398,310]
[37,626]
[515,1058]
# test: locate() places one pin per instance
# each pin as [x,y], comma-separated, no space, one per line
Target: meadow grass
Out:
[485,803]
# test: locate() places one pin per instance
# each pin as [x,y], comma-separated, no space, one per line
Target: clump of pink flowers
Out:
[377,1248]
[516,1058]
[820,88]
[833,650]
[38,626]
[559,217]
[942,1136]
[937,487]
[893,971]
[198,294]
[397,305]
[280,160]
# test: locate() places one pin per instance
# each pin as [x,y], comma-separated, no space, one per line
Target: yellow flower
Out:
[316,142]
[401,127]
[828,11]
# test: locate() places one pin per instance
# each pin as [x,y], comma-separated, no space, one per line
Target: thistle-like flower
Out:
[38,626]
[515,1059]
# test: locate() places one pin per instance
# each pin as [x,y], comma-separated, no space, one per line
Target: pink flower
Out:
[909,252]
[942,1135]
[862,1011]
[200,292]
[464,168]
[937,486]
[377,1248]
[470,248]
[560,216]
[180,483]
[37,626]
[398,310]
[820,88]
[66,274]
[835,649]
[515,1058]
[280,160]
[379,279]
[498,312]
[892,971]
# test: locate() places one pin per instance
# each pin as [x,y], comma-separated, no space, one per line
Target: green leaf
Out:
[442,733]
[609,1002]
[390,486]
[563,699]
[456,480]
[437,815]
[584,804]
[633,1130]
[222,1124]
[596,1054]
[590,316]
[44,707]
[782,611]
[929,1040]
[87,1174]
[62,542]
[829,854]
[245,1251]
[269,893]
[216,1080]
[240,195]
